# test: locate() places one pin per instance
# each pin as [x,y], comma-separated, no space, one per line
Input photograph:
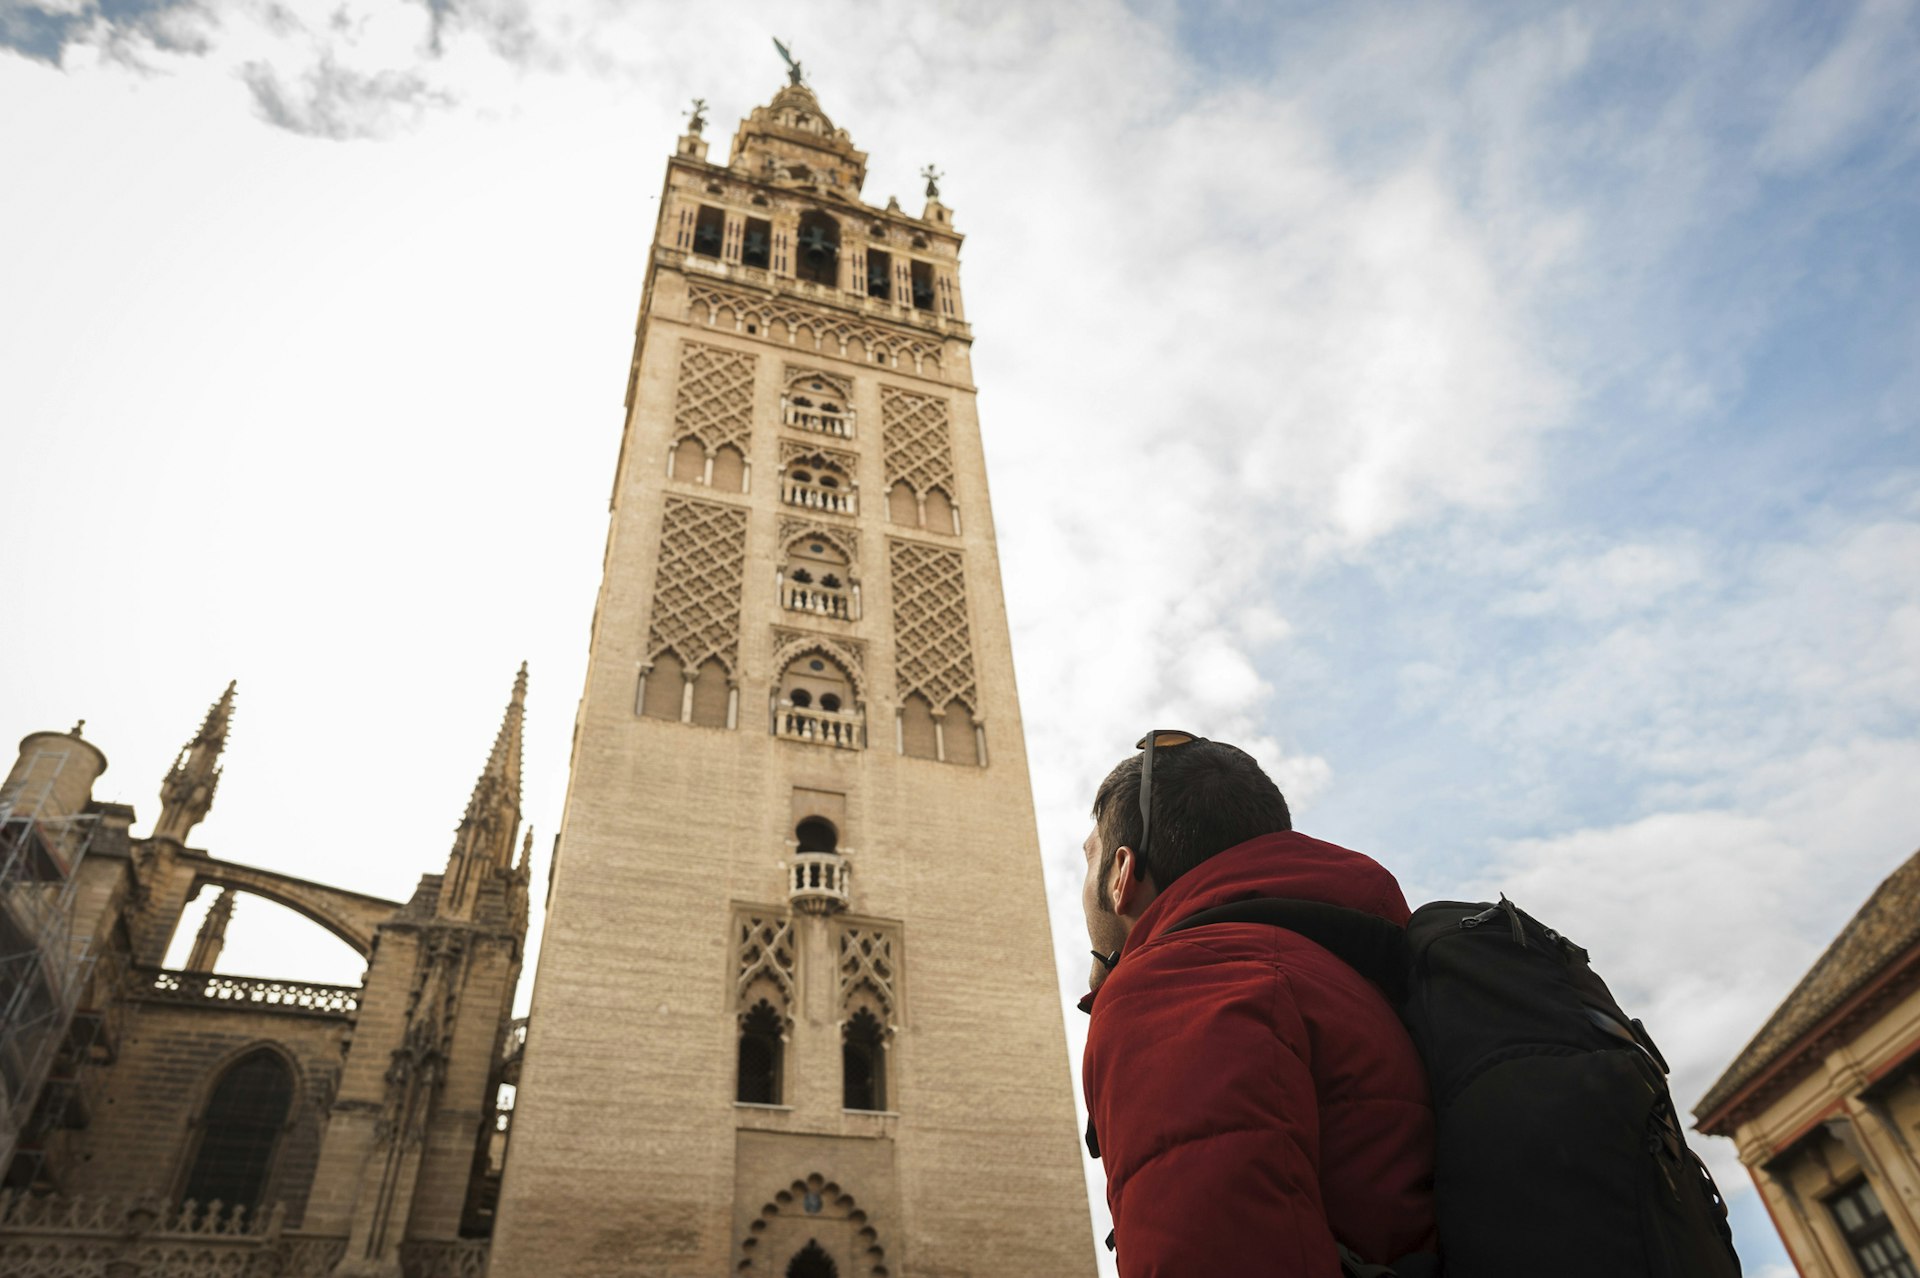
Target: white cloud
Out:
[1843,95]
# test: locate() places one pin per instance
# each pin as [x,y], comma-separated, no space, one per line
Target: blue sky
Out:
[1501,418]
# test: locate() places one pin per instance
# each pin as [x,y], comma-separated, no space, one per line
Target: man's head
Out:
[1207,797]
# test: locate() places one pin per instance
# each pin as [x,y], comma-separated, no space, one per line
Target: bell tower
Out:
[796,1010]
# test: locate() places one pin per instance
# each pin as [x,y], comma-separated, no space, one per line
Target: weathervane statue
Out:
[793,68]
[933,176]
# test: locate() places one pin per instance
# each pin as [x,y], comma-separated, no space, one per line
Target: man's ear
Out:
[1128,886]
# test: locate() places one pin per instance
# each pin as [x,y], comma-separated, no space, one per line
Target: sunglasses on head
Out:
[1158,739]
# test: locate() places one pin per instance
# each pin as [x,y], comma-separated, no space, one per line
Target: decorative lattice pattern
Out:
[933,648]
[714,399]
[696,598]
[867,969]
[918,445]
[779,320]
[764,948]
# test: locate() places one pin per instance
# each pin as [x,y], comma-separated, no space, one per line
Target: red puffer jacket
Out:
[1255,1098]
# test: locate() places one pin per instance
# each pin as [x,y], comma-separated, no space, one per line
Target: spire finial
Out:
[933,176]
[79,728]
[186,795]
[795,76]
[697,118]
[485,835]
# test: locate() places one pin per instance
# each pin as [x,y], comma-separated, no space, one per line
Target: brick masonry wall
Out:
[140,1139]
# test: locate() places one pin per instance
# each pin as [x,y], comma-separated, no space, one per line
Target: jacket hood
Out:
[1289,865]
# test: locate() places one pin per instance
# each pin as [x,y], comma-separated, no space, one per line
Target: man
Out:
[1256,1101]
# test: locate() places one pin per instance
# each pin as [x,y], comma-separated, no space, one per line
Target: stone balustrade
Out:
[821,601]
[817,882]
[820,421]
[255,994]
[820,727]
[810,495]
[59,1236]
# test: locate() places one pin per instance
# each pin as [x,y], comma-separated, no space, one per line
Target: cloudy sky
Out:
[1500,417]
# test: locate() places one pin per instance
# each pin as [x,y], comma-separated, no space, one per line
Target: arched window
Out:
[761,1053]
[863,1063]
[239,1130]
[729,470]
[708,227]
[756,244]
[812,1262]
[916,728]
[665,688]
[939,511]
[902,506]
[814,702]
[816,834]
[879,274]
[818,481]
[689,461]
[957,733]
[711,694]
[819,257]
[816,579]
[921,274]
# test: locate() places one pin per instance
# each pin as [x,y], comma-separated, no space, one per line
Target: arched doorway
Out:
[812,1262]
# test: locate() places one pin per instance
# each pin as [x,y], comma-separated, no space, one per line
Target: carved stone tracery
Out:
[933,645]
[713,401]
[725,308]
[696,596]
[867,970]
[916,434]
[765,954]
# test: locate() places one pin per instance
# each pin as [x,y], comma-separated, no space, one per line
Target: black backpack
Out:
[1559,1151]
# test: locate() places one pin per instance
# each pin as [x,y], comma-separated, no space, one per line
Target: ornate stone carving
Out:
[764,952]
[849,653]
[867,970]
[933,646]
[713,401]
[916,436]
[775,318]
[814,1199]
[840,538]
[696,596]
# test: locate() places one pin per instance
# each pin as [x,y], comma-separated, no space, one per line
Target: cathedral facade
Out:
[177,1123]
[796,1012]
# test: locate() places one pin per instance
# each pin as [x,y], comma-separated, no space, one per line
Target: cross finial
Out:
[933,176]
[696,118]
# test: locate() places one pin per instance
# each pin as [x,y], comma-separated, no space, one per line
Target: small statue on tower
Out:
[697,118]
[933,176]
[794,75]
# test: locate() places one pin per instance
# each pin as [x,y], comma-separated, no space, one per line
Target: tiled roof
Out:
[1885,927]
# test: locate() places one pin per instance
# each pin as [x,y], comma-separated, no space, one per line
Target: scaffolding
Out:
[43,965]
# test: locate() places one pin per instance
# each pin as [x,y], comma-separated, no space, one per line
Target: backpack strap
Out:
[1369,944]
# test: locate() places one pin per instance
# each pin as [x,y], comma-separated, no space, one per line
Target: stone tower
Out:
[796,1012]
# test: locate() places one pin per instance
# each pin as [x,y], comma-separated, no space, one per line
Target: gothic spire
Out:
[485,838]
[186,796]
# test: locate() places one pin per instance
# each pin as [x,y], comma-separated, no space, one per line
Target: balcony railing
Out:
[817,883]
[813,496]
[250,993]
[818,600]
[820,727]
[820,421]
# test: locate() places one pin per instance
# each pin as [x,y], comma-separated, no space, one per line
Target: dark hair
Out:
[1207,797]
